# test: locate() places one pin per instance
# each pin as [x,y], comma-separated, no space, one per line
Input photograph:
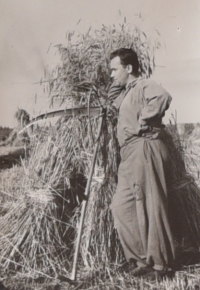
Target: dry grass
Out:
[83,72]
[38,198]
[32,239]
[185,191]
[186,279]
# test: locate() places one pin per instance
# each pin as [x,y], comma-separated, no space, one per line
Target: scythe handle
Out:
[84,202]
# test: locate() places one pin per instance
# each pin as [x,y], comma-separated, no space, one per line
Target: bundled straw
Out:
[50,187]
[84,65]
[184,191]
[33,227]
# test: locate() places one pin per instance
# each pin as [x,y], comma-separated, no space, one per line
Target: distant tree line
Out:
[5,128]
[4,133]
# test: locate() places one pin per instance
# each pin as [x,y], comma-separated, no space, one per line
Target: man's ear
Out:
[129,68]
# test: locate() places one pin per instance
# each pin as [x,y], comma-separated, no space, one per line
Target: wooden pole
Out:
[84,203]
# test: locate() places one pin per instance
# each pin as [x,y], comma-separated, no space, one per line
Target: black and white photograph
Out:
[99,144]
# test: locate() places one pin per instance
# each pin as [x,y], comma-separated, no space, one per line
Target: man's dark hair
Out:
[127,56]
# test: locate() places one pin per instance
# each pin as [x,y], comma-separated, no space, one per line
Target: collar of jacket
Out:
[133,83]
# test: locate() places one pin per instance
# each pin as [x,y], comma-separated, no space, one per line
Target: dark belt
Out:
[149,135]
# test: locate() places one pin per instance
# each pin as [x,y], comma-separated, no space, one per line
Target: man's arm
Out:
[157,101]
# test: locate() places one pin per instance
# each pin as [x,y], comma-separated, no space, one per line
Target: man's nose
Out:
[112,74]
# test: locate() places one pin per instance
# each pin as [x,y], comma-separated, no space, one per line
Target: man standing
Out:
[140,204]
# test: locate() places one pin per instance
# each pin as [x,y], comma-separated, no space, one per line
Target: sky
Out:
[30,30]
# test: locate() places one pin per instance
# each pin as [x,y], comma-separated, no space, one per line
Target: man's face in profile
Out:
[119,72]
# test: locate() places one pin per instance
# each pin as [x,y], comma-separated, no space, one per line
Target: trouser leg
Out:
[140,208]
[126,221]
[160,247]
